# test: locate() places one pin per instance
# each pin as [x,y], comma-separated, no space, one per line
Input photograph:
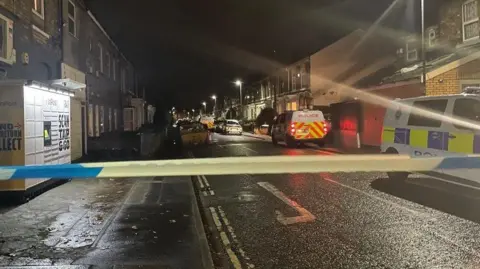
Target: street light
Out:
[204,104]
[239,84]
[215,104]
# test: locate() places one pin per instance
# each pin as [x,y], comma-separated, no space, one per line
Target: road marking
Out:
[234,259]
[200,182]
[226,242]
[305,215]
[212,193]
[206,181]
[216,219]
[224,237]
[250,149]
[327,177]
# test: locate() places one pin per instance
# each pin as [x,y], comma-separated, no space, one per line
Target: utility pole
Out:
[424,71]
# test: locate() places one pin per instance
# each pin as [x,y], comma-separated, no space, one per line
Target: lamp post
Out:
[215,104]
[204,104]
[239,84]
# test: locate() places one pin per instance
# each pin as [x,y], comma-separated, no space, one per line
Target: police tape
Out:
[241,165]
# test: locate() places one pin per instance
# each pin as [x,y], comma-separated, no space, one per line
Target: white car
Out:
[232,127]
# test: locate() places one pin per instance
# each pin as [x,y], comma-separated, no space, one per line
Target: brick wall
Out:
[446,83]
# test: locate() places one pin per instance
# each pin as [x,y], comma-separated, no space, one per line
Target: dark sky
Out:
[187,50]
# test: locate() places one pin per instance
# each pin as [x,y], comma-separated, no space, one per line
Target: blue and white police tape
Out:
[241,165]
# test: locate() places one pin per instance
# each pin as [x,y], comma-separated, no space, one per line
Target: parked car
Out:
[219,126]
[232,127]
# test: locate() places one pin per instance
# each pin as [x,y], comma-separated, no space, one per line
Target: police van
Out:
[441,126]
[297,127]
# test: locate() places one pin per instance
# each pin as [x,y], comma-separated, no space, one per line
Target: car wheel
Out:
[291,143]
[396,176]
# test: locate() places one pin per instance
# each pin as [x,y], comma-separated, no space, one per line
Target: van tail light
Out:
[325,126]
[292,129]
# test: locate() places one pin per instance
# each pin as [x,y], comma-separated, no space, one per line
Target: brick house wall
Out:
[42,45]
[443,84]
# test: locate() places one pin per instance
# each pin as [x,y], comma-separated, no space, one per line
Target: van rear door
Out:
[308,125]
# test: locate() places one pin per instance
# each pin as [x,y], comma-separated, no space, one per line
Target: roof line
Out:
[106,34]
[452,65]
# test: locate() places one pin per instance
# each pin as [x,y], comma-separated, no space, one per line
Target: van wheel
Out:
[274,141]
[396,176]
[291,143]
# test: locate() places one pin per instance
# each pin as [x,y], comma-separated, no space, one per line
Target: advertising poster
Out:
[11,132]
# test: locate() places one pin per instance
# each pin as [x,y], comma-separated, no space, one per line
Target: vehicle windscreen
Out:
[232,122]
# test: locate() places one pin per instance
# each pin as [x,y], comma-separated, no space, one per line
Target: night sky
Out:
[187,50]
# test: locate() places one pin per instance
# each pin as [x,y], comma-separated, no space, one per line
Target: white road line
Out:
[205,180]
[305,215]
[216,219]
[205,193]
[212,193]
[414,212]
[250,149]
[200,182]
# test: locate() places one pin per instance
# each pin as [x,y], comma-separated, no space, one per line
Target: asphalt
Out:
[341,220]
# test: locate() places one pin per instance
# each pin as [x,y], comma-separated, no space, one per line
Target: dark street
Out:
[339,220]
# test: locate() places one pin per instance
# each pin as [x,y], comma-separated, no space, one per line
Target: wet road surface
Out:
[342,220]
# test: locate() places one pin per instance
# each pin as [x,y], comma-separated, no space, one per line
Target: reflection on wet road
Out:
[343,220]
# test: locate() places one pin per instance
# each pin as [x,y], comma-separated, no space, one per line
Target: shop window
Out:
[115,119]
[90,120]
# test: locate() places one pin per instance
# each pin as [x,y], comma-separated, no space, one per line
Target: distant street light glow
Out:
[214,97]
[238,82]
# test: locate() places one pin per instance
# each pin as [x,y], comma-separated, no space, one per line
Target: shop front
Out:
[35,123]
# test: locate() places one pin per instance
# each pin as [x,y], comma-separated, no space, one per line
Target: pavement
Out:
[341,220]
[107,223]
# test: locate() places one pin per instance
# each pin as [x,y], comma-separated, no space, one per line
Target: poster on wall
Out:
[47,127]
[11,126]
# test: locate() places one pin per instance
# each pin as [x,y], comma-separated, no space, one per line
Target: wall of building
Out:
[103,79]
[41,45]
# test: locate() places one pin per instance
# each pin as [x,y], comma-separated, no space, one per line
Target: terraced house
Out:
[61,44]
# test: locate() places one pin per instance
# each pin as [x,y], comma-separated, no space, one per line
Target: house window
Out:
[114,69]
[115,119]
[72,29]
[411,50]
[110,119]
[107,62]
[39,8]
[100,56]
[6,39]
[470,20]
[123,78]
[102,119]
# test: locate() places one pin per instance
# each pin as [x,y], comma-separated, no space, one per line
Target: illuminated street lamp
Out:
[204,104]
[215,104]
[239,84]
